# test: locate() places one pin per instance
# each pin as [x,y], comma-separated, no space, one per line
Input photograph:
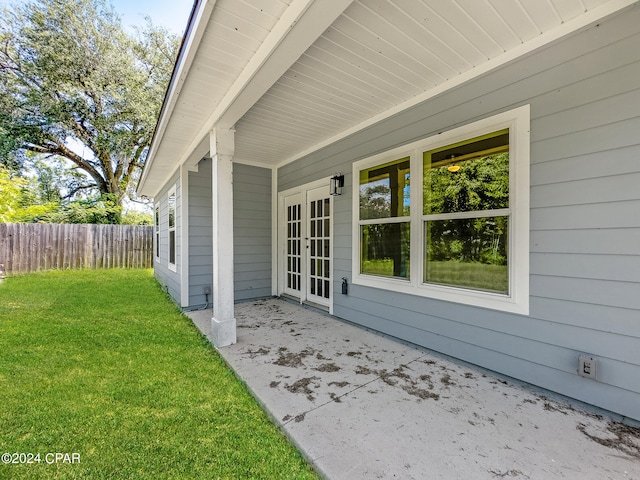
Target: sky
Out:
[172,14]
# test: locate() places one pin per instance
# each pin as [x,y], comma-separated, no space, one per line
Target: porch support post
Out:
[223,323]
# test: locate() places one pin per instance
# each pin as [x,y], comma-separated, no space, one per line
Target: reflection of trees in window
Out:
[385,249]
[384,190]
[384,198]
[466,213]
[481,185]
[481,240]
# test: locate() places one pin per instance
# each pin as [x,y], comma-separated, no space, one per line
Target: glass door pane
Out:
[293,248]
[319,246]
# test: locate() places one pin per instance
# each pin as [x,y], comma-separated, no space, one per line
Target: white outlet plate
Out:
[587,366]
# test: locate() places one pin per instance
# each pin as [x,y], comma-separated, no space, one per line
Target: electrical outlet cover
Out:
[587,366]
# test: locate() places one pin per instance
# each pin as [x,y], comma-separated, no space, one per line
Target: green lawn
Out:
[493,278]
[475,275]
[100,364]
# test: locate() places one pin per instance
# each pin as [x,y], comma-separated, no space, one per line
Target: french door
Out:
[318,246]
[307,249]
[293,245]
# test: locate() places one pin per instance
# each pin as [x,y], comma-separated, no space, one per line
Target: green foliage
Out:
[481,184]
[17,200]
[73,84]
[135,217]
[126,381]
[91,210]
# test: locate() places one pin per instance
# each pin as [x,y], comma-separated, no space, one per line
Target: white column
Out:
[223,323]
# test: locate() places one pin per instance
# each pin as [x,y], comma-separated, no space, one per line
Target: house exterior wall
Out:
[584,228]
[252,235]
[252,231]
[200,234]
[167,278]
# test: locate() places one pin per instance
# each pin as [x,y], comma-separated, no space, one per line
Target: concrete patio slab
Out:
[360,405]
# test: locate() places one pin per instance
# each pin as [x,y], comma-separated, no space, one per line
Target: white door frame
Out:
[282,237]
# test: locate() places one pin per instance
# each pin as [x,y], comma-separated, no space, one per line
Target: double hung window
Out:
[172,228]
[448,217]
[157,231]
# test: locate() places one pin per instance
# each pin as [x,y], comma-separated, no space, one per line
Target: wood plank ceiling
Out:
[381,53]
[376,56]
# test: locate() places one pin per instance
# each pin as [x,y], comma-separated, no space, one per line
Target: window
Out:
[384,219]
[157,230]
[466,213]
[448,217]
[172,229]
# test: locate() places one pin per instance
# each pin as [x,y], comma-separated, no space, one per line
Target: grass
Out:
[101,364]
[493,278]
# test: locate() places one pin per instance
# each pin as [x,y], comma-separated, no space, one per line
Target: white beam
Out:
[184,237]
[300,26]
[223,323]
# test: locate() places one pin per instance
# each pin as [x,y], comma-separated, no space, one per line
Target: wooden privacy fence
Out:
[29,247]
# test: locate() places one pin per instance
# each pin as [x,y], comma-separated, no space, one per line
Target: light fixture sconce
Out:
[453,167]
[337,184]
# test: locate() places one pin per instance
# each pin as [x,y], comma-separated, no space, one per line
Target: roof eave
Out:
[196,26]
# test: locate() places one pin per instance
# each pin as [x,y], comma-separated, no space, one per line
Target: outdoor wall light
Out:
[337,184]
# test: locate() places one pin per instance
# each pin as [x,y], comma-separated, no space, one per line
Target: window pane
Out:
[470,253]
[172,210]
[468,176]
[384,190]
[384,249]
[172,246]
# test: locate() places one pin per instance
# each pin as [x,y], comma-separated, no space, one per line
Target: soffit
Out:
[376,58]
[380,54]
[232,35]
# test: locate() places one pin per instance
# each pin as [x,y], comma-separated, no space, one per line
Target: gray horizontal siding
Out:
[585,219]
[200,234]
[168,279]
[251,231]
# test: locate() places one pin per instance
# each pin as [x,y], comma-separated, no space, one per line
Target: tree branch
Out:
[57,148]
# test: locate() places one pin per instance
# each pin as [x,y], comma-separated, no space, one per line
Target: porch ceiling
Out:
[366,60]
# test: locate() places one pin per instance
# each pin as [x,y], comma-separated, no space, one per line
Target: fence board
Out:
[30,247]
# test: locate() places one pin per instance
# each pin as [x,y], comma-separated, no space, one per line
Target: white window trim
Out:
[518,123]
[172,266]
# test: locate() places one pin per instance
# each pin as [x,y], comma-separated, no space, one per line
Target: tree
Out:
[16,200]
[481,184]
[73,84]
